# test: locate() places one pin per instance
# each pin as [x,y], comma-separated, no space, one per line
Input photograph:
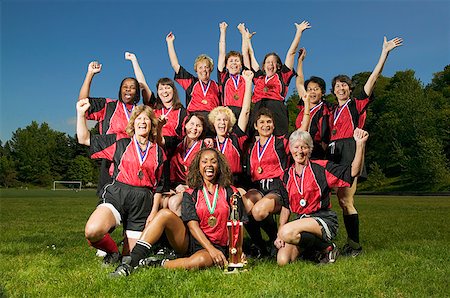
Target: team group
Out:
[169,173]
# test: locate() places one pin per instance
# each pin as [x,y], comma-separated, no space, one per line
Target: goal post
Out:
[67,185]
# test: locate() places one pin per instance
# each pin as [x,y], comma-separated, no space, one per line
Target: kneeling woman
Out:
[205,210]
[307,193]
[137,163]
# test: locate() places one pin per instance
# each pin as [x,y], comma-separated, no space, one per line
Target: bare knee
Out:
[174,204]
[93,232]
[283,260]
[286,235]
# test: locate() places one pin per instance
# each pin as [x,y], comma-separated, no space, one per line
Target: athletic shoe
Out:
[167,253]
[122,270]
[152,261]
[111,258]
[350,251]
[330,255]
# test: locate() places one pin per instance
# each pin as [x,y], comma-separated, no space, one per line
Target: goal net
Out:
[67,185]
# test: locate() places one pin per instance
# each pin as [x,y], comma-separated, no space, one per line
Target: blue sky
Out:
[47,45]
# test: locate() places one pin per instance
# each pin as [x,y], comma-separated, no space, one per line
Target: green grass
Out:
[406,244]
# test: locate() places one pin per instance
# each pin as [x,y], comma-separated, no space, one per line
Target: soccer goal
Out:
[67,185]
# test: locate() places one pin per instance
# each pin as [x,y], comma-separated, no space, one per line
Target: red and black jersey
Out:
[268,161]
[200,97]
[131,165]
[113,115]
[175,120]
[352,114]
[232,88]
[319,128]
[275,87]
[310,192]
[194,207]
[181,160]
[232,148]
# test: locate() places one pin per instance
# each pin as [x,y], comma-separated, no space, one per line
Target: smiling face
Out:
[165,93]
[203,70]
[221,124]
[209,165]
[142,125]
[315,92]
[194,128]
[128,91]
[265,126]
[342,91]
[270,65]
[300,151]
[234,65]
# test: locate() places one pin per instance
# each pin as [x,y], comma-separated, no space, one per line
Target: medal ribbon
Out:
[208,203]
[168,111]
[260,154]
[300,188]
[127,112]
[266,79]
[220,146]
[142,154]
[339,111]
[235,80]
[186,155]
[315,108]
[205,87]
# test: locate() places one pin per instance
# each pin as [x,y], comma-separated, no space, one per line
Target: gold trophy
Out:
[236,260]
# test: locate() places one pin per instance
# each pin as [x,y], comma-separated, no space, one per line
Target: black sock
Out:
[310,241]
[269,225]
[139,252]
[253,230]
[351,222]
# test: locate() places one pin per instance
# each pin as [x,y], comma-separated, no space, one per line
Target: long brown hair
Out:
[176,103]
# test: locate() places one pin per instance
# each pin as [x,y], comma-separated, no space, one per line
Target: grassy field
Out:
[43,253]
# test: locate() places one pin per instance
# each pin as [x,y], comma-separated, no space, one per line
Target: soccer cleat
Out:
[111,258]
[330,255]
[350,251]
[122,270]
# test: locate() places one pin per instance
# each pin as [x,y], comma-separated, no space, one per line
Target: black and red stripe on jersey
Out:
[125,155]
[193,207]
[275,87]
[272,162]
[199,97]
[352,114]
[232,148]
[182,159]
[113,115]
[319,128]
[310,191]
[232,89]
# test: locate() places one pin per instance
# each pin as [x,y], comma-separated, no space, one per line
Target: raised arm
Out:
[245,110]
[387,47]
[360,137]
[306,113]
[300,80]
[290,56]
[83,134]
[93,68]
[222,46]
[146,92]
[244,47]
[170,38]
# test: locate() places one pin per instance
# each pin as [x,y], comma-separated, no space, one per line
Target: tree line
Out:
[408,148]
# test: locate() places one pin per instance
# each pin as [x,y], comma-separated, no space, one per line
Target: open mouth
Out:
[209,172]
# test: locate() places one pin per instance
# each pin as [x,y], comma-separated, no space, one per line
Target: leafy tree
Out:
[81,168]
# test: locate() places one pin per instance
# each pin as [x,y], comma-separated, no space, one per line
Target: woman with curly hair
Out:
[200,236]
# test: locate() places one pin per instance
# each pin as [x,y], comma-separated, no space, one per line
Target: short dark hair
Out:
[137,96]
[344,79]
[202,120]
[319,81]
[263,112]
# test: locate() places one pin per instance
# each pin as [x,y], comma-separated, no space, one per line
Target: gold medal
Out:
[185,168]
[260,170]
[265,89]
[204,102]
[236,97]
[212,221]
[333,132]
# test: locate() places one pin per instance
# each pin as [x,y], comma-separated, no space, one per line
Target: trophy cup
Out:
[235,238]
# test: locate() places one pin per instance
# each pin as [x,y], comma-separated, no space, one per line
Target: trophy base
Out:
[234,268]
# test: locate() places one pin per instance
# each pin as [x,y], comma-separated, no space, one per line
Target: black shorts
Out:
[328,221]
[133,204]
[343,151]
[195,246]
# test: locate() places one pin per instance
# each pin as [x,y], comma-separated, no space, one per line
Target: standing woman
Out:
[272,81]
[347,115]
[202,93]
[308,184]
[230,136]
[137,164]
[182,157]
[200,235]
